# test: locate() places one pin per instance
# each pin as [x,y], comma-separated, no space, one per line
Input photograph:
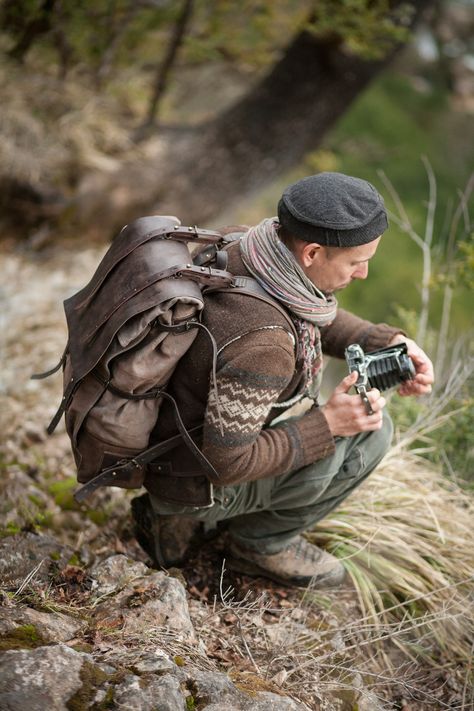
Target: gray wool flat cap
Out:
[333,209]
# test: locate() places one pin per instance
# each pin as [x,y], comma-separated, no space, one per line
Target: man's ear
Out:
[309,253]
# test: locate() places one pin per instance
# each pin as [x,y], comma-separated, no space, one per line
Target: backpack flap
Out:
[135,285]
[116,427]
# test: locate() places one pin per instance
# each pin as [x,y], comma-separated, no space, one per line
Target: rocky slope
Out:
[87,623]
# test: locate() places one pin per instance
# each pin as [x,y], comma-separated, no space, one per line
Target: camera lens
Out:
[389,371]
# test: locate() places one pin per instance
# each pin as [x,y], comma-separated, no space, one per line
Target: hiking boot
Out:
[300,563]
[166,539]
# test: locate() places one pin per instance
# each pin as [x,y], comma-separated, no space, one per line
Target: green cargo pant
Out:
[266,514]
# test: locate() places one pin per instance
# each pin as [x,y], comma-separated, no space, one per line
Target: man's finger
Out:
[346,384]
[378,404]
[414,388]
[373,395]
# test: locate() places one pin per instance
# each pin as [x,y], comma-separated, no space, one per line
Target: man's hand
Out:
[346,415]
[424,378]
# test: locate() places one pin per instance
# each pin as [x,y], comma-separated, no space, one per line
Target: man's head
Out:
[332,223]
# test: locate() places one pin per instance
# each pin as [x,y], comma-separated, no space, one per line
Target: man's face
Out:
[333,268]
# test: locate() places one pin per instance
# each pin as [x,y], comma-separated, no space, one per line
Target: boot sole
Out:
[244,566]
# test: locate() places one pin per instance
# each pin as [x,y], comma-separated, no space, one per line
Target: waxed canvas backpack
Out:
[127,330]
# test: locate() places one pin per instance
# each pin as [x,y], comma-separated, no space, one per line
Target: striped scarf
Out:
[275,268]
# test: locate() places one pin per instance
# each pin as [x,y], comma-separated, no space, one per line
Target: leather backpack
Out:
[127,330]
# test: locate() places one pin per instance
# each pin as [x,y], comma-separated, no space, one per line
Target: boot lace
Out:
[305,551]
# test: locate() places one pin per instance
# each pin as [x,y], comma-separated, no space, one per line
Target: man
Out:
[277,479]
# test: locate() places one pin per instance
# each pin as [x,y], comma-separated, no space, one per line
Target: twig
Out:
[461,211]
[235,610]
[29,578]
[403,221]
[428,241]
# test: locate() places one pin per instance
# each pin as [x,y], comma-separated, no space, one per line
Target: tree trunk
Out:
[37,27]
[163,71]
[201,172]
[271,129]
[117,33]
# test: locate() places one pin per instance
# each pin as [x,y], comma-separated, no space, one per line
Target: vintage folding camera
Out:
[382,369]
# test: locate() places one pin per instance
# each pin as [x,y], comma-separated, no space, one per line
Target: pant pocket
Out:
[224,496]
[353,466]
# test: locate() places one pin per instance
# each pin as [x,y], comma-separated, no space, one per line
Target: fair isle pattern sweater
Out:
[256,368]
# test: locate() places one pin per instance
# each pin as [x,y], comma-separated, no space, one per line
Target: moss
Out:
[191,693]
[75,560]
[92,677]
[10,529]
[22,637]
[100,518]
[179,661]
[107,702]
[35,500]
[251,684]
[44,519]
[84,647]
[63,493]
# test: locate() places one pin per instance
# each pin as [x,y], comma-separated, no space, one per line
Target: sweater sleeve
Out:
[348,328]
[252,374]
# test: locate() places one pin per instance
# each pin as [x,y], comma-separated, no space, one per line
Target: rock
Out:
[114,573]
[25,554]
[149,604]
[140,694]
[156,662]
[212,691]
[40,679]
[209,691]
[140,662]
[45,627]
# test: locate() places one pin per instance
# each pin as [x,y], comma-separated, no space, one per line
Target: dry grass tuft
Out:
[406,539]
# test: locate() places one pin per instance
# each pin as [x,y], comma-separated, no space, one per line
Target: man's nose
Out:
[362,271]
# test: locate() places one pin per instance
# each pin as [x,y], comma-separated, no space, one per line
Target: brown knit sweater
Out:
[256,368]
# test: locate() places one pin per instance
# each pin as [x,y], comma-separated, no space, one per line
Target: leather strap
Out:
[64,404]
[47,373]
[222,260]
[193,234]
[203,275]
[131,237]
[206,255]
